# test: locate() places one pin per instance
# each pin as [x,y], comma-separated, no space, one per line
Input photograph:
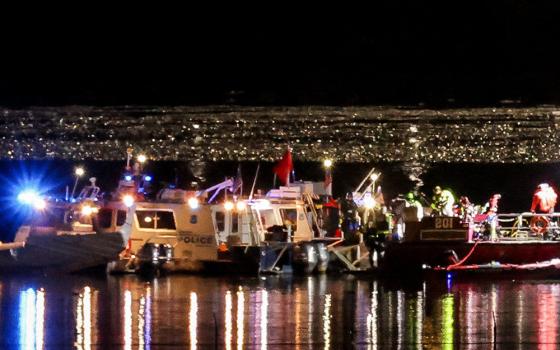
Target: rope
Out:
[465,258]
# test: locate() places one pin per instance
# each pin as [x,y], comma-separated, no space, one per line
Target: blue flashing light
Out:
[128,177]
[27,196]
[147,178]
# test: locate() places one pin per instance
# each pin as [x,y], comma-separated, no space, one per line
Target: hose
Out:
[465,258]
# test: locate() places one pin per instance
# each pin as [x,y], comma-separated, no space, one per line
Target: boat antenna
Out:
[128,158]
[364,180]
[255,181]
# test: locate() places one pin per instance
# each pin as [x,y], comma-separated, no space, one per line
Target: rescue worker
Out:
[398,206]
[490,209]
[544,200]
[411,201]
[350,216]
[374,238]
[442,202]
[466,209]
[331,217]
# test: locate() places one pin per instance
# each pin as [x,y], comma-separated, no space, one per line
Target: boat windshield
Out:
[156,219]
[289,217]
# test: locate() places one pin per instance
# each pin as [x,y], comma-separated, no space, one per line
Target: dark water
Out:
[271,312]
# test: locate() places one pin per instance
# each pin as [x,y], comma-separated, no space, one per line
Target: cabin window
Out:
[267,217]
[104,217]
[194,219]
[121,217]
[150,219]
[220,221]
[289,216]
[234,222]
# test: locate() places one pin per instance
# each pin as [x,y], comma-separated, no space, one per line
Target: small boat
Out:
[447,244]
[66,235]
[187,231]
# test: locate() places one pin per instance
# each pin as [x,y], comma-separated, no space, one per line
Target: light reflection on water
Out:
[262,313]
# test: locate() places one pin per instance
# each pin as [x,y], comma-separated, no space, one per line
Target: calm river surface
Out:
[339,311]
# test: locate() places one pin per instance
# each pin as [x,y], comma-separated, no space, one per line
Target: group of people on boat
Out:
[390,219]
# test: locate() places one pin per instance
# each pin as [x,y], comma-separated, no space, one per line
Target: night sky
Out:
[436,54]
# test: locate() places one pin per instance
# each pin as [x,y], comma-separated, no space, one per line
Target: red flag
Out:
[283,168]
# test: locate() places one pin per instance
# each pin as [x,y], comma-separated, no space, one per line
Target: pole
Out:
[328,174]
[364,180]
[74,188]
[255,181]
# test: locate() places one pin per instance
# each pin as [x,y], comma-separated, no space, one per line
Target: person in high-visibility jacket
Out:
[544,200]
[442,202]
[411,201]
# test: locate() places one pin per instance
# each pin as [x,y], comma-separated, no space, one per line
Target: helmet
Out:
[410,196]
[543,186]
[349,195]
[437,190]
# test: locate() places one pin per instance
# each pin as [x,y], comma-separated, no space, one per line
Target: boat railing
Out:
[521,225]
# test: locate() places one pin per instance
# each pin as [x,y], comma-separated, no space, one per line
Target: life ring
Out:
[539,224]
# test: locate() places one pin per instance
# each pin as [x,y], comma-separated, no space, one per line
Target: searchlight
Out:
[228,205]
[240,206]
[87,210]
[193,202]
[128,200]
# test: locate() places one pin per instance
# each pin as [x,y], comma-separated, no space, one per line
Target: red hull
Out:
[414,255]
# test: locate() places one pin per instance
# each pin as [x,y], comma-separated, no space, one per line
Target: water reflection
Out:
[127,315]
[31,319]
[240,318]
[264,319]
[83,320]
[193,319]
[228,321]
[306,313]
